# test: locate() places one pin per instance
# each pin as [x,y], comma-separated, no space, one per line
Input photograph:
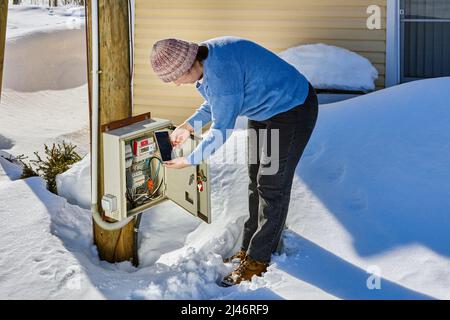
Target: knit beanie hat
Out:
[171,58]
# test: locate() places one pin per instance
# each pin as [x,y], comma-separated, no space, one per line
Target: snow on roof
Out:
[330,67]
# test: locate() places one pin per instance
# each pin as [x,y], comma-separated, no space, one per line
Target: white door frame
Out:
[392,43]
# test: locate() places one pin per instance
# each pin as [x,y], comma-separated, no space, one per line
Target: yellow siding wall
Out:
[275,24]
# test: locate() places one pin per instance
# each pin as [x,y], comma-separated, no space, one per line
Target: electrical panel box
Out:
[135,178]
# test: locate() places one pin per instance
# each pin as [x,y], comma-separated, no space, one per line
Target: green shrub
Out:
[58,159]
[28,170]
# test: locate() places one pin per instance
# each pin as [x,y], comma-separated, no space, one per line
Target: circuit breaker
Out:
[135,178]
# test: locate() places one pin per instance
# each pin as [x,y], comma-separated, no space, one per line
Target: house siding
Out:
[277,25]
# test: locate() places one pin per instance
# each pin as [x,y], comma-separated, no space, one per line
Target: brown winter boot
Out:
[245,271]
[237,257]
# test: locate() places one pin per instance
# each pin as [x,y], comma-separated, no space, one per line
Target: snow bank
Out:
[75,183]
[43,55]
[330,67]
[378,165]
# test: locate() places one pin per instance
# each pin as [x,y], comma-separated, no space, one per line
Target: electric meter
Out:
[135,178]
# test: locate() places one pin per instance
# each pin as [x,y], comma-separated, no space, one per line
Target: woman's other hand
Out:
[181,134]
[177,163]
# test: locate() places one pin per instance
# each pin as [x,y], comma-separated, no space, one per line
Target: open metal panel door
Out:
[203,184]
[181,187]
[190,187]
[204,192]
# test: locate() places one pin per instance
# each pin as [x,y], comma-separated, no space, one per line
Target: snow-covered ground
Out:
[369,198]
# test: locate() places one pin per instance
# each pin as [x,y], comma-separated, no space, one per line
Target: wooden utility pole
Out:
[3,17]
[114,104]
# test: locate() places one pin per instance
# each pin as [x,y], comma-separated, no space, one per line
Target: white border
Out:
[392,43]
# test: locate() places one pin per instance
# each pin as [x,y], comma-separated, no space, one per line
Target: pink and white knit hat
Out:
[171,58]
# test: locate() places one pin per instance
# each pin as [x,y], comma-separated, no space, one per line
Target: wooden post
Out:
[3,18]
[114,104]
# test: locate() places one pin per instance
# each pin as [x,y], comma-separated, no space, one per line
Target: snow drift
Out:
[330,67]
[49,56]
[75,183]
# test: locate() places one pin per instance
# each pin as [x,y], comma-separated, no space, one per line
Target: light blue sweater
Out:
[241,77]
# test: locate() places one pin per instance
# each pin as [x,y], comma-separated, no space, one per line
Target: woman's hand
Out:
[181,134]
[177,163]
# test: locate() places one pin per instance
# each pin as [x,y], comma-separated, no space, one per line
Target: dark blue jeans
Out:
[269,194]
